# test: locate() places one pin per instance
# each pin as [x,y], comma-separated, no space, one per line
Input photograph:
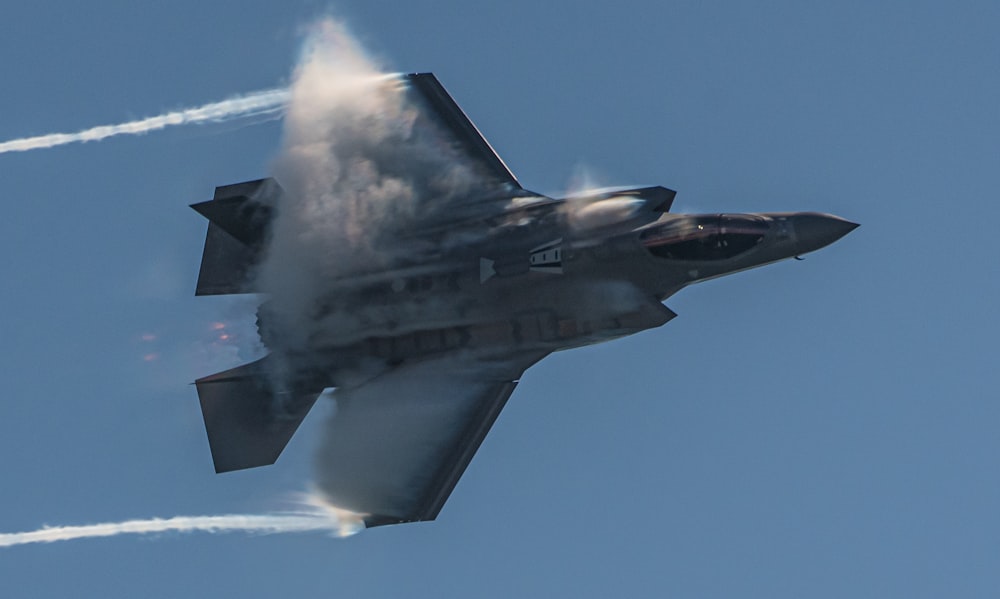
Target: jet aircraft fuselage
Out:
[580,288]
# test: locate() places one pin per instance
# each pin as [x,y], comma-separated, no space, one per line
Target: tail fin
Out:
[239,218]
[248,423]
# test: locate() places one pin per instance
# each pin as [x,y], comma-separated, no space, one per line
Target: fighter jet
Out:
[494,279]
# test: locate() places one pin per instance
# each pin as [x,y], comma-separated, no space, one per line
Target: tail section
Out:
[248,423]
[239,220]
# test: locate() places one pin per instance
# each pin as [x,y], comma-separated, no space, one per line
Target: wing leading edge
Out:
[446,112]
[397,446]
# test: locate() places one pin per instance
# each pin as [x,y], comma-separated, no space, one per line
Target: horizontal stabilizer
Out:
[239,218]
[248,423]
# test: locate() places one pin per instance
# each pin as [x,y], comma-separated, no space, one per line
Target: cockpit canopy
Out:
[704,237]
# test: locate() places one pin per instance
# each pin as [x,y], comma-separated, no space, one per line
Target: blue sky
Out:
[824,428]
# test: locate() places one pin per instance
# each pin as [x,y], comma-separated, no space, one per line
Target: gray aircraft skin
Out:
[502,278]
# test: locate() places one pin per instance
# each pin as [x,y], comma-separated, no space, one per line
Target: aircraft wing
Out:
[397,445]
[438,106]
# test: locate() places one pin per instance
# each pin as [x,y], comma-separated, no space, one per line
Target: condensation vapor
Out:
[358,168]
[257,104]
[318,518]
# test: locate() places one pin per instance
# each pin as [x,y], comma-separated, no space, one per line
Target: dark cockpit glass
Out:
[704,237]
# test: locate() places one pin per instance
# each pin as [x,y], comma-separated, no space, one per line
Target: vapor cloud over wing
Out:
[359,167]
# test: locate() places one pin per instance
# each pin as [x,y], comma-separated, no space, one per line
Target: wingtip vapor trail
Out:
[264,102]
[315,516]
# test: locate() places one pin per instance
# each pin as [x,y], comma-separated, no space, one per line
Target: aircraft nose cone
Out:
[814,230]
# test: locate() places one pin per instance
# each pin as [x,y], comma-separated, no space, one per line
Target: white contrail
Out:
[248,523]
[268,101]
